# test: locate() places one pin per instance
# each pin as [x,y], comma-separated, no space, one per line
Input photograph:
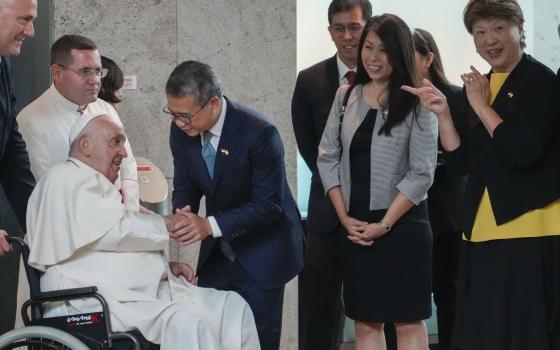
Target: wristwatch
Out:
[386,227]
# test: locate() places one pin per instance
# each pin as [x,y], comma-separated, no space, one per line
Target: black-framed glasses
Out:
[86,73]
[339,29]
[183,117]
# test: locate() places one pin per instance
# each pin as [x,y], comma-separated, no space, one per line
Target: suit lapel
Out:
[331,73]
[509,92]
[228,141]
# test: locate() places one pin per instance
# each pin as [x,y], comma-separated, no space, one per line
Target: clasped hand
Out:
[361,232]
[183,270]
[187,227]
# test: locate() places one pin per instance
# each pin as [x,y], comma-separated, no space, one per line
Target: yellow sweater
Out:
[535,223]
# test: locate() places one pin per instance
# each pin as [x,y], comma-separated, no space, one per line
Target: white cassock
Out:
[45,127]
[80,234]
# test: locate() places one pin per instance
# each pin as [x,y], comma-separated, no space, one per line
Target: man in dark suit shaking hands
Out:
[251,235]
[16,181]
[321,316]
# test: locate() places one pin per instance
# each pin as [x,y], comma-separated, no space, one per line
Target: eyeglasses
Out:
[183,117]
[339,29]
[86,73]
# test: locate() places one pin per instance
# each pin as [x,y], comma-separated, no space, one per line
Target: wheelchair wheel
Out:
[43,338]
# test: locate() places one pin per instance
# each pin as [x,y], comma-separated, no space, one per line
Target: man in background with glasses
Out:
[45,123]
[321,316]
[16,181]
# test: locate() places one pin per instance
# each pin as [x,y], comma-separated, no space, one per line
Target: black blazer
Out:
[311,103]
[445,197]
[520,165]
[15,176]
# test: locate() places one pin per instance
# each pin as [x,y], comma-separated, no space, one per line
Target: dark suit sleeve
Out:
[457,160]
[268,185]
[524,138]
[15,176]
[184,190]
[304,128]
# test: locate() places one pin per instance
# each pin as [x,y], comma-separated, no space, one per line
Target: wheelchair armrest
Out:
[72,293]
[62,295]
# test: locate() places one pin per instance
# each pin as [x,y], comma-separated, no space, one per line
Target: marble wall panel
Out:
[252,46]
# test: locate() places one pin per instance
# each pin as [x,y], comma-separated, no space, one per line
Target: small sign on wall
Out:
[129,82]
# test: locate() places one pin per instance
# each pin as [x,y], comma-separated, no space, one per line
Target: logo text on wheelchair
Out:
[80,320]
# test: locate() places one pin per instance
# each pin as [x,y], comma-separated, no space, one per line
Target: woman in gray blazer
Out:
[377,166]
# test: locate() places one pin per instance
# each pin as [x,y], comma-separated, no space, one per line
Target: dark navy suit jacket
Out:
[15,177]
[16,184]
[248,195]
[311,103]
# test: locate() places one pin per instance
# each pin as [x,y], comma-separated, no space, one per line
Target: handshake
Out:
[187,227]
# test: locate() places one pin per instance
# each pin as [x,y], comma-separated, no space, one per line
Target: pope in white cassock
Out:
[80,234]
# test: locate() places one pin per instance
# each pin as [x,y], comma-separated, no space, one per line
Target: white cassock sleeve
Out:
[134,232]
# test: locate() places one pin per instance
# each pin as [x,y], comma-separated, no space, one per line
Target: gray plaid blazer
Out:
[403,162]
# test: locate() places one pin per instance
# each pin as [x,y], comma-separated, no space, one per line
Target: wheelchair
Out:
[90,330]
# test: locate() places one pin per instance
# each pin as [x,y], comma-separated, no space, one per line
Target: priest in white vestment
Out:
[80,234]
[45,123]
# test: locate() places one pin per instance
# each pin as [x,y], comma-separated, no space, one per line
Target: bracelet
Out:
[386,227]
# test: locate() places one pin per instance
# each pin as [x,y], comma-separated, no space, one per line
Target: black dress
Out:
[390,281]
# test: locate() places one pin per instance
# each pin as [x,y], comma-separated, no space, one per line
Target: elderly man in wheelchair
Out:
[81,235]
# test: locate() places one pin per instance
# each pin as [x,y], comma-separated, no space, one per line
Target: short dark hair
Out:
[424,43]
[337,6]
[194,78]
[61,51]
[112,81]
[508,10]
[395,35]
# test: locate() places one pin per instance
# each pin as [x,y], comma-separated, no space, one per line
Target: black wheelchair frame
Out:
[93,329]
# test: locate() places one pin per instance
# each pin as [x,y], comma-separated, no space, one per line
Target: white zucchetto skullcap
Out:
[81,123]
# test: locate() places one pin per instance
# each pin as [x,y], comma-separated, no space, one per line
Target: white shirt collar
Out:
[342,70]
[63,101]
[216,130]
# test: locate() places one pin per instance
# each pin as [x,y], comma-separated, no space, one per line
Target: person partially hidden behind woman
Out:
[509,291]
[111,89]
[376,168]
[445,197]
